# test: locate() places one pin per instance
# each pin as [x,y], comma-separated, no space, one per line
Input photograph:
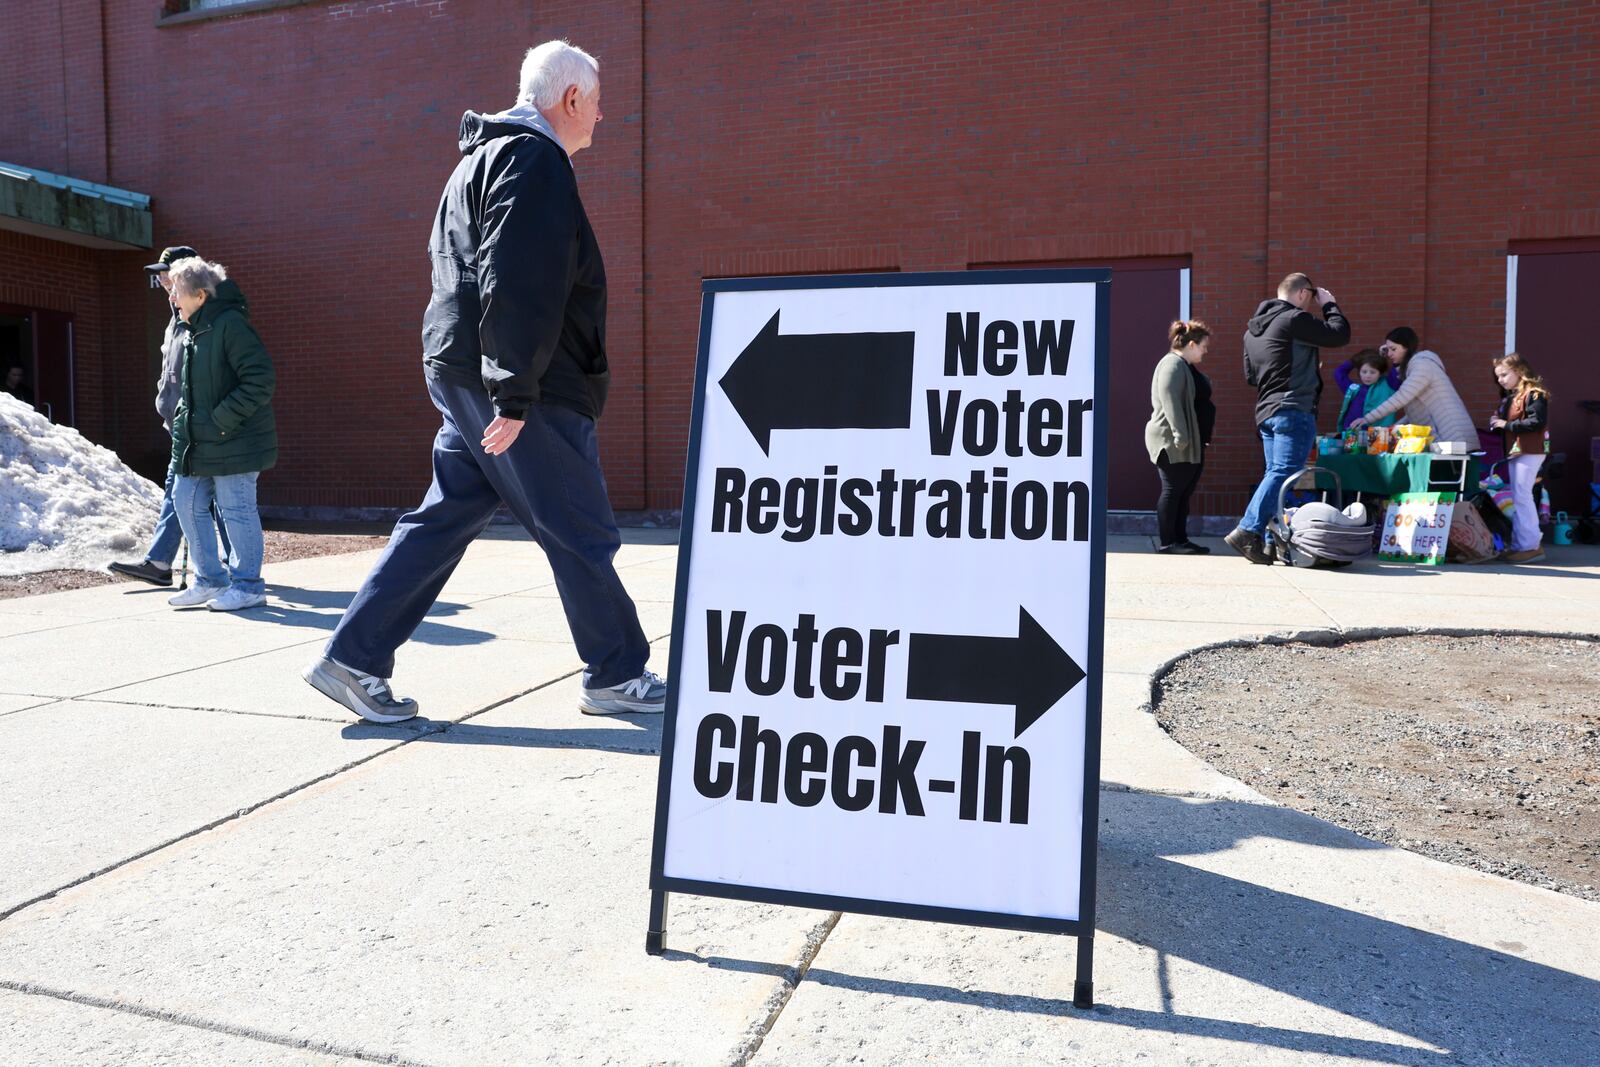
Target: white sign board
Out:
[887,641]
[1416,528]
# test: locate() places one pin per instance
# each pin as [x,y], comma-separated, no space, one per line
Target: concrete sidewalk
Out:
[202,861]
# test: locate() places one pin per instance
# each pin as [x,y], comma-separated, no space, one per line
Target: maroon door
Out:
[1555,279]
[52,350]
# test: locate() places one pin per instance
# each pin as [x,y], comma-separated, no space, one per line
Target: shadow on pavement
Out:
[1466,1002]
[316,607]
[644,740]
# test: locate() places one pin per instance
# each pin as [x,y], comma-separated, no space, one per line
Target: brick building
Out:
[1436,164]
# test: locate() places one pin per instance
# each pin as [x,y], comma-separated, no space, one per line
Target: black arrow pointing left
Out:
[821,381]
[1029,671]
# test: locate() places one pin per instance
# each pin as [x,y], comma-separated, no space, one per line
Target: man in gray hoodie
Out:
[1282,353]
[156,567]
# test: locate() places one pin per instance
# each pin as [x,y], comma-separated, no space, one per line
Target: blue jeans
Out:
[1286,440]
[550,480]
[164,545]
[235,499]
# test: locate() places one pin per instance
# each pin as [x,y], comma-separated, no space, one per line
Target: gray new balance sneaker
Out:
[364,694]
[644,695]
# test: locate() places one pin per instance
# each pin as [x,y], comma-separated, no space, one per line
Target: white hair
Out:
[193,275]
[549,69]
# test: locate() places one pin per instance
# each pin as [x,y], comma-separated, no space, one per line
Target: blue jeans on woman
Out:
[235,497]
[164,545]
[1286,440]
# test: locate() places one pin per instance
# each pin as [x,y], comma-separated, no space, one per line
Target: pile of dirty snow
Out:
[65,503]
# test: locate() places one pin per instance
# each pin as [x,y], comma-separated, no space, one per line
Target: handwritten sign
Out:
[1416,528]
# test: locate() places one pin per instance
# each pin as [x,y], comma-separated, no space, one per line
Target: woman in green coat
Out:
[223,436]
[1181,419]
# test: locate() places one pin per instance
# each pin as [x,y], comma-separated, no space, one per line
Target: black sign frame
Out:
[1083,927]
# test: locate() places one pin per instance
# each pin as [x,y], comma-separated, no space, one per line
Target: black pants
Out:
[1172,506]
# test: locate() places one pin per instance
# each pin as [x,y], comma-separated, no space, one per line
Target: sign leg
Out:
[1083,988]
[656,936]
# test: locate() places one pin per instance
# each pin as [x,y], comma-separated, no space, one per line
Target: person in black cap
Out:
[156,567]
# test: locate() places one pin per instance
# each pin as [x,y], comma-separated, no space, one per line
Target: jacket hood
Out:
[479,129]
[228,298]
[1267,313]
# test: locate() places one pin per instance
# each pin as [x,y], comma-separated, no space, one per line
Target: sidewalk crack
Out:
[750,1044]
[197,1022]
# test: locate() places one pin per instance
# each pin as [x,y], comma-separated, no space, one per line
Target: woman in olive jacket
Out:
[1179,430]
[223,436]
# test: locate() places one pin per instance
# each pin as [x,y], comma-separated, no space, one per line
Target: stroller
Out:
[1318,534]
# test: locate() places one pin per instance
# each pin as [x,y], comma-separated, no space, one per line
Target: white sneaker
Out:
[196,595]
[644,695]
[235,599]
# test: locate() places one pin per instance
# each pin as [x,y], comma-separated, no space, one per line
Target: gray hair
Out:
[550,68]
[194,275]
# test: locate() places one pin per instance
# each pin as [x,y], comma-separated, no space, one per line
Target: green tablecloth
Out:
[1388,474]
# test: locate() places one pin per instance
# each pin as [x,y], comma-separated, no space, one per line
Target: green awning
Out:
[60,208]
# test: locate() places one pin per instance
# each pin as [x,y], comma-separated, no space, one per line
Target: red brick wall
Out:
[1391,147]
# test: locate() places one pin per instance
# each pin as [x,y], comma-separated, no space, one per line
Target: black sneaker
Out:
[144,571]
[1194,549]
[1181,548]
[1248,545]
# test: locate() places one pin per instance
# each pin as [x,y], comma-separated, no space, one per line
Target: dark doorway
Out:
[1554,280]
[1146,295]
[16,353]
[40,343]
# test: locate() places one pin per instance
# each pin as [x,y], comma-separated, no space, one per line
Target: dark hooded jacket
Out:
[1281,355]
[519,289]
[224,422]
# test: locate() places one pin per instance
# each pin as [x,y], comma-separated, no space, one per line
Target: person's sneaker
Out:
[1194,549]
[1527,555]
[196,595]
[236,599]
[144,571]
[644,695]
[1248,545]
[368,696]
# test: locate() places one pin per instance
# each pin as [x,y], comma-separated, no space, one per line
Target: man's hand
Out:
[1324,298]
[499,434]
[1359,424]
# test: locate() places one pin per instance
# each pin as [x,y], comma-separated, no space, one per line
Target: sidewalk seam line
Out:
[242,812]
[756,1035]
[212,825]
[198,1023]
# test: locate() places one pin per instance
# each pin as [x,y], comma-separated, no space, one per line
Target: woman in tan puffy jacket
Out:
[1426,394]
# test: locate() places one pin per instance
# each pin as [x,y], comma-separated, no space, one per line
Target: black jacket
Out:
[1281,355]
[519,289]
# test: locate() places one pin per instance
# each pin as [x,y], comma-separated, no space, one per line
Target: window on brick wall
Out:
[202,8]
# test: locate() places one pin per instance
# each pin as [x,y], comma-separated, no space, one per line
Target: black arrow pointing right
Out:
[1029,671]
[821,381]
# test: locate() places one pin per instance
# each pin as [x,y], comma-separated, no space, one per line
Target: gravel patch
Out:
[1478,751]
[281,546]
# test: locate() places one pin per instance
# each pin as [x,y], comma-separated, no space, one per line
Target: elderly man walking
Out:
[514,356]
